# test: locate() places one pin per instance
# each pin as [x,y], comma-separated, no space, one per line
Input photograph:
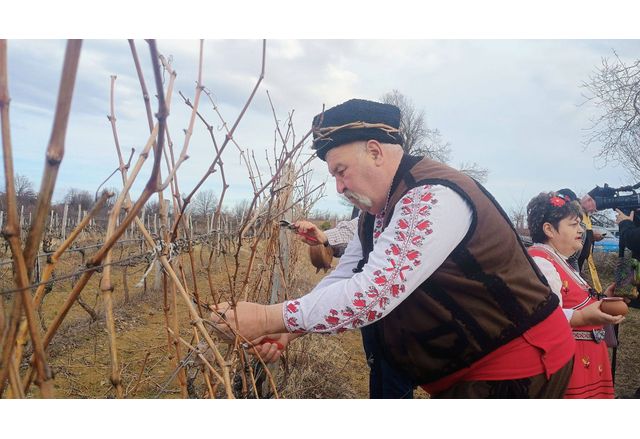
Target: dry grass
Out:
[315,367]
[325,367]
[627,378]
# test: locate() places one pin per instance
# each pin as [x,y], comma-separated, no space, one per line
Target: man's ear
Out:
[549,230]
[374,149]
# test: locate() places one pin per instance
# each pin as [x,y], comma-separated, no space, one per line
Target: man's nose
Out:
[340,186]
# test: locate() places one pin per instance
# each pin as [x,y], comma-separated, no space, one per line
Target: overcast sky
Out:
[512,105]
[515,107]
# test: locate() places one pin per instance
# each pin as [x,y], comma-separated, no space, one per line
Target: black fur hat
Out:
[356,119]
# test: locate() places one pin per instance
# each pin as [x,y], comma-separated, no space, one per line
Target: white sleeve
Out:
[553,278]
[427,224]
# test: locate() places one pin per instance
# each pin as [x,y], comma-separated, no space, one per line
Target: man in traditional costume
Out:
[436,270]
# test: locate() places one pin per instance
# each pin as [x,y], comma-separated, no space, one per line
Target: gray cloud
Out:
[513,106]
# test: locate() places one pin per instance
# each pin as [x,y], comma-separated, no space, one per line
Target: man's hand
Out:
[250,320]
[310,229]
[621,216]
[270,348]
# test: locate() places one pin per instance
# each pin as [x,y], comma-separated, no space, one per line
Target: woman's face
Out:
[567,239]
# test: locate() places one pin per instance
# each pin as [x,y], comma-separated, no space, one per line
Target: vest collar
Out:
[406,163]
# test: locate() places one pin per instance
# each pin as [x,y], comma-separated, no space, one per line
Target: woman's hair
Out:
[549,207]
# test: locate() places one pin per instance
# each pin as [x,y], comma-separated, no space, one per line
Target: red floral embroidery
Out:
[394,249]
[373,292]
[412,254]
[380,280]
[377,227]
[396,289]
[292,322]
[417,240]
[423,225]
[348,312]
[403,255]
[293,306]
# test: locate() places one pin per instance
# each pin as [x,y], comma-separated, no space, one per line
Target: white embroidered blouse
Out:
[427,224]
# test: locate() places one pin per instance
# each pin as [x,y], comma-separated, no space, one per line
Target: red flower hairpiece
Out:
[557,201]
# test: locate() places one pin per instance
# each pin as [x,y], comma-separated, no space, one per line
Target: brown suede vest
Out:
[486,293]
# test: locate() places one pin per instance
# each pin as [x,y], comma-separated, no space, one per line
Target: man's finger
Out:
[268,352]
[278,345]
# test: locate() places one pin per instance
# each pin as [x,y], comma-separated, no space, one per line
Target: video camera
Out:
[613,198]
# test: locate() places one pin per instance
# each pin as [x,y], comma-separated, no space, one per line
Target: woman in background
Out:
[554,225]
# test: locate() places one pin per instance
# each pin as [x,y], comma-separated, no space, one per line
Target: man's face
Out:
[588,204]
[354,171]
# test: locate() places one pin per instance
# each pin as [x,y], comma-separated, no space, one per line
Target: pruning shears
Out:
[287,225]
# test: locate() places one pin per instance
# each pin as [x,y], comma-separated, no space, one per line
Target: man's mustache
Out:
[356,198]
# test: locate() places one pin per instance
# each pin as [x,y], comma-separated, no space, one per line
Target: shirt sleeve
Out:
[427,224]
[553,278]
[340,236]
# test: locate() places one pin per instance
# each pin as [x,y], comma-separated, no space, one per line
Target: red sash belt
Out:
[544,348]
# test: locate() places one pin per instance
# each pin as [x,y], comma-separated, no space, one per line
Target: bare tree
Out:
[518,216]
[75,196]
[205,203]
[615,90]
[152,207]
[25,193]
[475,171]
[419,139]
[239,211]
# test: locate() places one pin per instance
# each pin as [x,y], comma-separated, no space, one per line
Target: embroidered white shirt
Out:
[427,224]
